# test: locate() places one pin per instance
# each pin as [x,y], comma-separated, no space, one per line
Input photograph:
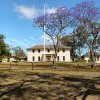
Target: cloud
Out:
[26,11]
[31,12]
[51,10]
[15,42]
[32,38]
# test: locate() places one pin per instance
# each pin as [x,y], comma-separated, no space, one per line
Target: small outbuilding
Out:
[87,57]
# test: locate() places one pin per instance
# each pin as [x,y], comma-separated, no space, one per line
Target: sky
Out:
[16,19]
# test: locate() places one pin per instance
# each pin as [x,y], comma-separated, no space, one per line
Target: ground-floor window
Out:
[33,58]
[57,58]
[38,58]
[63,58]
[97,58]
[8,60]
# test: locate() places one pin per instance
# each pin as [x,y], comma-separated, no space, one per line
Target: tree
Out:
[87,15]
[18,53]
[69,40]
[54,25]
[76,41]
[93,40]
[80,37]
[4,48]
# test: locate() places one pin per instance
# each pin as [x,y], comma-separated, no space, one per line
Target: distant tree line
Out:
[4,48]
[6,51]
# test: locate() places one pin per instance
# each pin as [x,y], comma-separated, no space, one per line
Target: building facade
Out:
[87,57]
[8,59]
[36,53]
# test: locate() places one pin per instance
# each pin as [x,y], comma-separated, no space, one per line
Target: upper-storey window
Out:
[33,50]
[63,50]
[38,50]
[48,50]
[58,50]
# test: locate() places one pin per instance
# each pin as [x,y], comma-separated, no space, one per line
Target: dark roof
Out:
[96,54]
[47,47]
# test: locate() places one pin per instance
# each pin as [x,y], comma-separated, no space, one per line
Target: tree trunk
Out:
[92,55]
[56,51]
[54,62]
[55,56]
[93,59]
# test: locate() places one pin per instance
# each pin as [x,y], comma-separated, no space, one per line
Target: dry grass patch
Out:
[49,85]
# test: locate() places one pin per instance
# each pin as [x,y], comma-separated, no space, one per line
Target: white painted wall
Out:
[10,60]
[60,54]
[98,60]
[87,59]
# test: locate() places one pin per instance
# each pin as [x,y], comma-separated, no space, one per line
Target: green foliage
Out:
[4,48]
[75,41]
[69,41]
[18,53]
[79,60]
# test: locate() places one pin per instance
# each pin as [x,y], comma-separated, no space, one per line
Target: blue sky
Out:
[16,19]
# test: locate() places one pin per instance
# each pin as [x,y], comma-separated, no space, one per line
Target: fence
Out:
[48,65]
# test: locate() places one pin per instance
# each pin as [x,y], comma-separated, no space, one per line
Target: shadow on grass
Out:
[88,84]
[51,87]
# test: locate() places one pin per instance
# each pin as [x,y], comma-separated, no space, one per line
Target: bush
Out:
[79,60]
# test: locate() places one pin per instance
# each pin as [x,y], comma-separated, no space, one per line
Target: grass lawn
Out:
[49,84]
[43,83]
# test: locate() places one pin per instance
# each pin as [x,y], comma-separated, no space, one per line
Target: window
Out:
[97,58]
[48,50]
[63,50]
[58,50]
[33,50]
[8,60]
[58,58]
[63,58]
[33,58]
[38,50]
[38,58]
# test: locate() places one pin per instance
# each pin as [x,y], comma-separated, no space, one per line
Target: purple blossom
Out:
[86,10]
[41,20]
[55,22]
[63,12]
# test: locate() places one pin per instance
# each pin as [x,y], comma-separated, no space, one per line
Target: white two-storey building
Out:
[36,53]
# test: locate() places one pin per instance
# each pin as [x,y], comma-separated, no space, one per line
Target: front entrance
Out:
[48,58]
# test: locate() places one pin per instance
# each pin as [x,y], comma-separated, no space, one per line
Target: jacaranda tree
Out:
[55,25]
[87,15]
[84,18]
